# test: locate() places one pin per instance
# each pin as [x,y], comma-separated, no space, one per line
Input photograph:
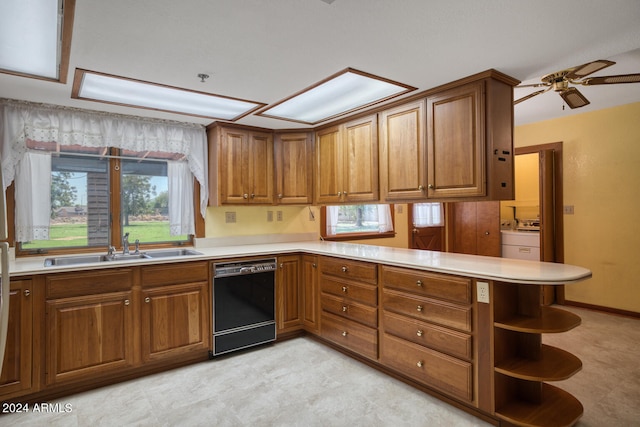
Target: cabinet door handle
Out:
[419,364]
[127,302]
[314,265]
[420,187]
[344,289]
[339,193]
[345,269]
[344,308]
[419,308]
[245,196]
[419,283]
[147,300]
[281,265]
[345,193]
[27,292]
[486,233]
[280,196]
[431,186]
[253,196]
[419,333]
[344,333]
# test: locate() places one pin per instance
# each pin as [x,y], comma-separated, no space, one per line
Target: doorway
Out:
[550,209]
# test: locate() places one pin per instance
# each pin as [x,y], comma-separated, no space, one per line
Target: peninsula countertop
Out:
[481,267]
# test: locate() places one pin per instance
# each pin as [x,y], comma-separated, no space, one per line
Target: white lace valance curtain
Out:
[428,214]
[385,222]
[22,121]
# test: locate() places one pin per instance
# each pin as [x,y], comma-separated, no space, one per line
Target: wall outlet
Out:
[279,215]
[229,217]
[483,292]
[567,209]
[269,216]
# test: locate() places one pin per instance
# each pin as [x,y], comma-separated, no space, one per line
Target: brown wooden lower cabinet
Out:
[424,327]
[16,376]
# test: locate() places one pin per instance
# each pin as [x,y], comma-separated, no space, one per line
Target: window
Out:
[357,222]
[428,215]
[95,198]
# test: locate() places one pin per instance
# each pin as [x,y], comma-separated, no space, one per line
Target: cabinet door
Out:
[360,139]
[258,173]
[16,368]
[329,166]
[402,152]
[175,321]
[88,336]
[288,294]
[232,162]
[456,144]
[310,294]
[294,165]
[474,228]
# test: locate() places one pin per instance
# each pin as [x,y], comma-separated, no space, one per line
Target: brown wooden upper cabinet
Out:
[470,141]
[293,168]
[402,152]
[240,166]
[347,162]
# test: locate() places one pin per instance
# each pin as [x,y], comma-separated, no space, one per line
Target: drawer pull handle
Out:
[419,333]
[345,269]
[419,308]
[126,302]
[344,308]
[147,300]
[344,289]
[419,364]
[419,283]
[344,333]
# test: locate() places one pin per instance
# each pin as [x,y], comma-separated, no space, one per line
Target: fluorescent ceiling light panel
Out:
[135,93]
[344,92]
[30,32]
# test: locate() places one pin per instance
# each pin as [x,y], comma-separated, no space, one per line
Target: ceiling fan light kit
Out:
[560,82]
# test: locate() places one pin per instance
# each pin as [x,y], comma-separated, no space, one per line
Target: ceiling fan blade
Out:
[574,98]
[585,69]
[611,80]
[532,85]
[531,95]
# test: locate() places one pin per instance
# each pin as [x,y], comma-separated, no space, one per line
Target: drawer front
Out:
[350,310]
[173,274]
[366,294]
[446,373]
[441,286]
[88,283]
[355,270]
[455,343]
[349,334]
[434,311]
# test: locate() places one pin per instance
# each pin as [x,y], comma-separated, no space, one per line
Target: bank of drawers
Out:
[349,300]
[426,330]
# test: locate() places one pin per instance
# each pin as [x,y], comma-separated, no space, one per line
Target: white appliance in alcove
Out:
[521,244]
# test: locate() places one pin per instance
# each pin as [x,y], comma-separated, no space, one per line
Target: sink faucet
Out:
[125,244]
[137,242]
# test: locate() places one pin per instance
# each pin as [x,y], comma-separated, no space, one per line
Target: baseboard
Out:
[604,309]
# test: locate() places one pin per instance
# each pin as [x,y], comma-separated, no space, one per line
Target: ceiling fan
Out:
[560,82]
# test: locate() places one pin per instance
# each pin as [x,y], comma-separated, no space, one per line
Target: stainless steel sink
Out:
[91,259]
[166,253]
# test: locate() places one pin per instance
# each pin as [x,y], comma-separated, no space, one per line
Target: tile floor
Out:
[303,383]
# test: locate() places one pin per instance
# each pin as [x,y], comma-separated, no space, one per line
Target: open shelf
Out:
[554,365]
[551,320]
[557,408]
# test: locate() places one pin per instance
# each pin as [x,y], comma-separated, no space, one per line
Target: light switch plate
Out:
[483,292]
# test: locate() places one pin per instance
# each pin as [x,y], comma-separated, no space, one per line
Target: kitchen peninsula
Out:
[464,328]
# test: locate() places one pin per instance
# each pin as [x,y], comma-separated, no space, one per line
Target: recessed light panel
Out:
[135,93]
[342,93]
[29,37]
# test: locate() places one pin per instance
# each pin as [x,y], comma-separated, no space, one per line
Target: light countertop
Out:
[481,267]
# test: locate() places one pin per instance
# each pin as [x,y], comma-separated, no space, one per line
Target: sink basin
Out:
[90,259]
[165,253]
[73,260]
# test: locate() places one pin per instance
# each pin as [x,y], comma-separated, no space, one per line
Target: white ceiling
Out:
[268,50]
